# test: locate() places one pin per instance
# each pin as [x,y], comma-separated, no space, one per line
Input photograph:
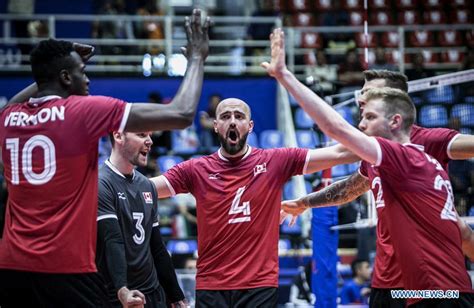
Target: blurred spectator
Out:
[209,139]
[187,208]
[350,72]
[260,31]
[381,61]
[322,75]
[356,290]
[418,70]
[38,29]
[148,29]
[300,291]
[112,29]
[161,139]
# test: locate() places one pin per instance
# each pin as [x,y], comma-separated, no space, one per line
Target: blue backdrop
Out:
[259,93]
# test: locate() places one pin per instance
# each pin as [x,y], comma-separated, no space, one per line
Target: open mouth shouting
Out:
[232,136]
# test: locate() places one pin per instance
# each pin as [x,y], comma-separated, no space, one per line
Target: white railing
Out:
[227,48]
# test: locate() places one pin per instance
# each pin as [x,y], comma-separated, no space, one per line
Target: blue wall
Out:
[259,93]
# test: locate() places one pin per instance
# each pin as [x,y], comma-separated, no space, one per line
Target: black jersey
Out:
[133,202]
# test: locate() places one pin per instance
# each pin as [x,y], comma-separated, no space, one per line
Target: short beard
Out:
[233,149]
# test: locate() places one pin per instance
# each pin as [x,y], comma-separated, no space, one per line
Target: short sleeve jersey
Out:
[238,206]
[419,213]
[387,273]
[133,202]
[50,153]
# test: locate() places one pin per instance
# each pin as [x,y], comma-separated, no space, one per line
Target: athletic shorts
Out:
[259,297]
[382,298]
[28,289]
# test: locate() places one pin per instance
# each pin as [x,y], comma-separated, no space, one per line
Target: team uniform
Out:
[50,219]
[387,274]
[418,212]
[238,206]
[128,204]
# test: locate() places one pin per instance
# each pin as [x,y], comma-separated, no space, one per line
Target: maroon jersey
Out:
[419,213]
[50,153]
[436,142]
[387,273]
[238,206]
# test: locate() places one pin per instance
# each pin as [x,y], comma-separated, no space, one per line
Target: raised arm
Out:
[328,120]
[462,147]
[182,109]
[324,158]
[335,194]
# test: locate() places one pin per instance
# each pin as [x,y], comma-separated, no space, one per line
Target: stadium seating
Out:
[433,116]
[181,246]
[271,139]
[167,162]
[409,17]
[306,139]
[440,95]
[434,17]
[302,119]
[465,113]
[311,40]
[422,38]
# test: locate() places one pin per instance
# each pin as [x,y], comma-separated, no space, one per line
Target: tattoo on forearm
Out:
[338,193]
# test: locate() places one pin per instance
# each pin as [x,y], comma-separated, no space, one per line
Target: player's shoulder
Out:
[422,135]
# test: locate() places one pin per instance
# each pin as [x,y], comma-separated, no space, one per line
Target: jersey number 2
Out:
[46,144]
[236,208]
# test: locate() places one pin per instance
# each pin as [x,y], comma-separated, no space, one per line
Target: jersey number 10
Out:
[13,145]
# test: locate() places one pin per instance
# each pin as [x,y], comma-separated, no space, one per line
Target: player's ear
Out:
[215,126]
[250,126]
[65,77]
[118,137]
[396,121]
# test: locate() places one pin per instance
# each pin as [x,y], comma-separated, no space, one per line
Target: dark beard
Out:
[233,149]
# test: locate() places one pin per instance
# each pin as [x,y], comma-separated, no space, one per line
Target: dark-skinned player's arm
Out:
[182,109]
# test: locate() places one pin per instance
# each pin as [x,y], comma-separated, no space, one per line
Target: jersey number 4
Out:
[26,156]
[236,208]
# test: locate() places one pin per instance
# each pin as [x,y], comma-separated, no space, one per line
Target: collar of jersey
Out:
[39,100]
[417,146]
[112,167]
[244,157]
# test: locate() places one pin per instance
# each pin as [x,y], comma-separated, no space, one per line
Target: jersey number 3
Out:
[46,144]
[236,208]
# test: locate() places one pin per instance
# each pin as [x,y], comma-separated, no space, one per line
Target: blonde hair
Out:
[395,102]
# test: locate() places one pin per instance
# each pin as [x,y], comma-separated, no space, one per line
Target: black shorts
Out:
[465,300]
[28,289]
[259,297]
[382,298]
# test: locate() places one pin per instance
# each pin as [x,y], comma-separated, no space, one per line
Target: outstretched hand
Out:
[293,208]
[84,50]
[197,36]
[277,65]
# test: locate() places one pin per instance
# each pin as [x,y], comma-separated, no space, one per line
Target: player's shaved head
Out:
[233,102]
